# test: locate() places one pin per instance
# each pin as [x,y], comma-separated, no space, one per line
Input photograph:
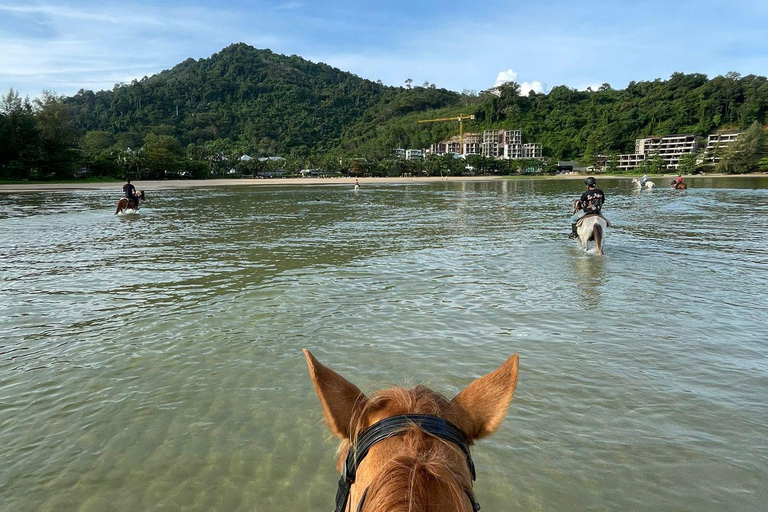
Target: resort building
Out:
[717,144]
[630,161]
[671,148]
[414,154]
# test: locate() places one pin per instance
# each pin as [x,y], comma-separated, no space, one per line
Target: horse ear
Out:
[483,404]
[339,397]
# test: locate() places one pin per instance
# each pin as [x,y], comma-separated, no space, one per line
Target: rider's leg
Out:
[574,220]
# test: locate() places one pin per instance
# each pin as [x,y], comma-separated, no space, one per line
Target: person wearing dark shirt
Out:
[590,202]
[130,192]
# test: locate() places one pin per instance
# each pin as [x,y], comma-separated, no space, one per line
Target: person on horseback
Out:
[642,181]
[590,202]
[130,193]
[679,179]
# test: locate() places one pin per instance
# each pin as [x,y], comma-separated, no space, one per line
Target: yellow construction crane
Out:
[460,118]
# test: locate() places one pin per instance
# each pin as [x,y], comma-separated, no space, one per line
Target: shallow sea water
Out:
[153,362]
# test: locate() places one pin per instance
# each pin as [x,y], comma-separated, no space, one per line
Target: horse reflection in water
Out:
[125,204]
[409,449]
[590,276]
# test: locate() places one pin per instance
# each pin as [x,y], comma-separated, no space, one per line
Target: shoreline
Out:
[237,182]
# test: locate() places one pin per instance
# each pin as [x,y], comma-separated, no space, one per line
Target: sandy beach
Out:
[166,184]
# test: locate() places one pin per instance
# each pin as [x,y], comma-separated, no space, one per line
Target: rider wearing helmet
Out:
[591,201]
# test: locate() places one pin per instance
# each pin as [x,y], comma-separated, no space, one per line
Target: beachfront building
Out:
[670,147]
[493,144]
[506,144]
[473,143]
[629,161]
[533,150]
[414,154]
[717,143]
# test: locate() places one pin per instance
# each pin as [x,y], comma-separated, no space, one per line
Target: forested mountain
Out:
[202,115]
[260,101]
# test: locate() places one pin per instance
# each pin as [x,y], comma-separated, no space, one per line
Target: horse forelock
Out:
[418,466]
[419,482]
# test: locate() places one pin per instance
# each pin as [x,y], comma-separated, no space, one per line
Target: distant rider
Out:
[130,193]
[642,181]
[590,202]
[679,178]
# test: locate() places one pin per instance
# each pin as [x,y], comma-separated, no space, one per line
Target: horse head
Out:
[409,449]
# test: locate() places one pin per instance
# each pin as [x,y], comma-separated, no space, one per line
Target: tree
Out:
[744,153]
[20,147]
[163,153]
[687,164]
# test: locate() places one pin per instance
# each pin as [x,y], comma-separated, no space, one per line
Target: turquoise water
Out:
[153,362]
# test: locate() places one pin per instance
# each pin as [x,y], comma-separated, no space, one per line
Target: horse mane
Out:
[403,484]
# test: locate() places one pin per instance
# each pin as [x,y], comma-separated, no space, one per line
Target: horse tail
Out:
[597,233]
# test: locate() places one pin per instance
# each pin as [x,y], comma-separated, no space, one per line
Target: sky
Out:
[84,44]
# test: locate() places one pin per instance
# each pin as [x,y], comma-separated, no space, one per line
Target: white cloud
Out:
[534,86]
[525,87]
[505,76]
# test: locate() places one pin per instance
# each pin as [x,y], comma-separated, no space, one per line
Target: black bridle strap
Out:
[395,426]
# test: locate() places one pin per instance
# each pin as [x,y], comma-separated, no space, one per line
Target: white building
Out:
[414,154]
[670,147]
[717,144]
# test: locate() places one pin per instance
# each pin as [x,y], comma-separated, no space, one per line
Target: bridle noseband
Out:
[396,426]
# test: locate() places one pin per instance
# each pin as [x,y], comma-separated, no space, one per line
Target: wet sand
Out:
[234,182]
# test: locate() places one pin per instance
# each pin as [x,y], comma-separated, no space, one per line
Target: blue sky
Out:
[66,46]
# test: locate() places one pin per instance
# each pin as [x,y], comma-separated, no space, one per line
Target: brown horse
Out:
[408,450]
[127,204]
[679,185]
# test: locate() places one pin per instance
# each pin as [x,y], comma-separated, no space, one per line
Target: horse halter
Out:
[396,426]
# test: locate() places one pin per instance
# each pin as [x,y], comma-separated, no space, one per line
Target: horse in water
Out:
[592,228]
[127,204]
[409,449]
[648,184]
[679,185]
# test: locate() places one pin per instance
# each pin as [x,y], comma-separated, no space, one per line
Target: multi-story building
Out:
[399,152]
[513,151]
[513,137]
[473,143]
[670,147]
[414,154]
[717,143]
[506,144]
[493,143]
[629,161]
[532,150]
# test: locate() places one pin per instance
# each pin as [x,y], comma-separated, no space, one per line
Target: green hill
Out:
[257,100]
[201,114]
